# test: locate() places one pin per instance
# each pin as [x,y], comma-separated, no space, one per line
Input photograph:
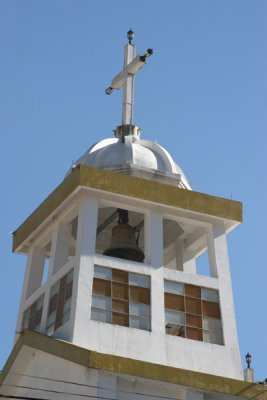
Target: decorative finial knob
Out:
[248,360]
[130,36]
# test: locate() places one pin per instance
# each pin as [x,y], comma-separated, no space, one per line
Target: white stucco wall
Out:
[37,374]
[154,346]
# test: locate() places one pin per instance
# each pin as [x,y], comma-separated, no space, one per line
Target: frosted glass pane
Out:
[54,289]
[67,305]
[50,330]
[139,280]
[70,276]
[212,324]
[100,315]
[174,301]
[66,317]
[174,287]
[210,309]
[51,318]
[102,287]
[212,337]
[39,302]
[209,294]
[140,323]
[139,295]
[139,310]
[194,333]
[26,316]
[173,317]
[101,302]
[102,272]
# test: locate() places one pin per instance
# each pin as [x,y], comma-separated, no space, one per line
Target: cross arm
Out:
[131,69]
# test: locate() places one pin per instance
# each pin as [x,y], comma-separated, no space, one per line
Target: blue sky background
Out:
[202,96]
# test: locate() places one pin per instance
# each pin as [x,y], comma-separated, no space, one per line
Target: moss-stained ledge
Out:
[116,364]
[138,188]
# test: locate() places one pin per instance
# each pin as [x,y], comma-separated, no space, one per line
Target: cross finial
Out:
[125,79]
[130,35]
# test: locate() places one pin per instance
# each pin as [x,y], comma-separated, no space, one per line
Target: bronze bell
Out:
[123,240]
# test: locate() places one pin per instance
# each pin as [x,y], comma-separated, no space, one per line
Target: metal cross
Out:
[125,79]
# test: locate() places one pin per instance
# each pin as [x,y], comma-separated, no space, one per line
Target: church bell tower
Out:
[125,259]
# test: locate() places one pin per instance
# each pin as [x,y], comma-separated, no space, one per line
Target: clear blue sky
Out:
[202,96]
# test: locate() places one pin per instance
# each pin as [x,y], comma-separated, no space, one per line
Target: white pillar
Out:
[154,239]
[154,255]
[25,290]
[61,246]
[84,270]
[189,265]
[179,249]
[211,252]
[35,272]
[51,271]
[226,295]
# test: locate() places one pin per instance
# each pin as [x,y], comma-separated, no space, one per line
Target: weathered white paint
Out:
[61,241]
[36,268]
[154,346]
[37,374]
[144,158]
[249,375]
[125,80]
[84,270]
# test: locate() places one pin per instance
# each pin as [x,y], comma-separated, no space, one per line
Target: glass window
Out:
[193,313]
[209,294]
[174,317]
[55,289]
[101,287]
[139,295]
[139,280]
[121,298]
[101,315]
[59,303]
[174,287]
[212,337]
[193,320]
[194,333]
[212,324]
[192,291]
[119,276]
[211,309]
[120,306]
[139,310]
[193,306]
[120,319]
[102,273]
[120,291]
[174,302]
[101,302]
[32,315]
[140,323]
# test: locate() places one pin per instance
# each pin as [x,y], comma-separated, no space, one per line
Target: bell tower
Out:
[125,259]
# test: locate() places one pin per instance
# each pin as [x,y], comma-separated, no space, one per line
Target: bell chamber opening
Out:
[120,234]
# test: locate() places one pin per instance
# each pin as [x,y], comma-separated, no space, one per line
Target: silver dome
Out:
[133,156]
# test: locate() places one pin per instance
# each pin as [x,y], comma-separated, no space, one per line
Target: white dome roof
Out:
[133,156]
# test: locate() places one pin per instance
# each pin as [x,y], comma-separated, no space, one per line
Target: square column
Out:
[61,243]
[154,253]
[219,254]
[84,270]
[32,279]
